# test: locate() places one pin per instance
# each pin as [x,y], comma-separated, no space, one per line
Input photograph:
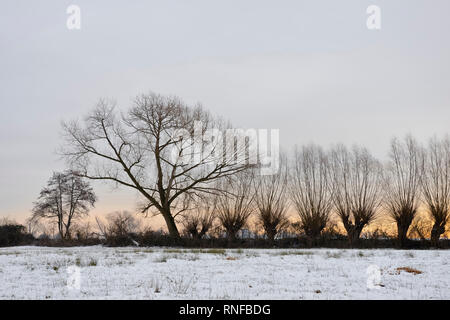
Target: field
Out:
[160,273]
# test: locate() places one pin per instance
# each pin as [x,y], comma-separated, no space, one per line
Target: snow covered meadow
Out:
[162,273]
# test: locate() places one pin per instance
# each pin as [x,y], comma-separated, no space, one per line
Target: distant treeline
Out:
[16,235]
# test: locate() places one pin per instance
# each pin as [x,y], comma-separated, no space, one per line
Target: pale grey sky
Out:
[310,68]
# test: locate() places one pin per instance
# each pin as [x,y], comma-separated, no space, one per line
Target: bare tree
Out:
[161,148]
[272,201]
[198,222]
[402,184]
[123,222]
[65,198]
[236,202]
[357,188]
[84,231]
[7,221]
[310,189]
[420,228]
[119,226]
[37,227]
[436,185]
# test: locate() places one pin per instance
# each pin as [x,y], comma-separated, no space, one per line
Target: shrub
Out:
[14,235]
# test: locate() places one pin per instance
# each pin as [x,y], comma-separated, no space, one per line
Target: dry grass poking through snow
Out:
[409,270]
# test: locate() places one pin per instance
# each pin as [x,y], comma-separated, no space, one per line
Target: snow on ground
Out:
[161,273]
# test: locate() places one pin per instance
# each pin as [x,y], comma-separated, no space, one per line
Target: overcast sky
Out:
[309,68]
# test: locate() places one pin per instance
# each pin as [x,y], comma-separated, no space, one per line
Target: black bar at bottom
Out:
[227,309]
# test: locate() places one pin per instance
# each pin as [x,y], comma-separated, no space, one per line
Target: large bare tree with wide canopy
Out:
[161,147]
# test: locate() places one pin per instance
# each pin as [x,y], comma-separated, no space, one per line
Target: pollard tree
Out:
[65,199]
[357,184]
[272,200]
[436,185]
[235,204]
[402,184]
[162,148]
[200,219]
[310,189]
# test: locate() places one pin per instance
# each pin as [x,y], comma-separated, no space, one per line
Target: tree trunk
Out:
[353,235]
[231,235]
[170,222]
[61,230]
[67,235]
[271,237]
[195,234]
[201,234]
[312,235]
[436,232]
[353,232]
[313,232]
[402,231]
[271,233]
